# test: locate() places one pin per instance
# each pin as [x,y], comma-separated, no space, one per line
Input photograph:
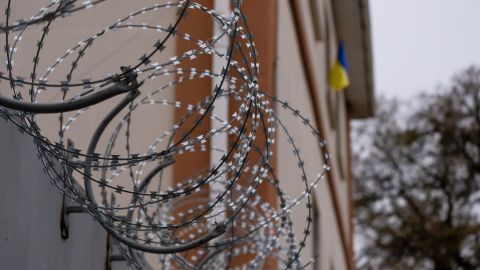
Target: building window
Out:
[316,234]
[329,96]
[340,130]
[331,107]
[337,124]
[316,19]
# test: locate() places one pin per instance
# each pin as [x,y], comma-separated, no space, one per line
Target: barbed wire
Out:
[216,216]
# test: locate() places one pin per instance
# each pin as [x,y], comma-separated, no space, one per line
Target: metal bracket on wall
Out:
[68,207]
[64,220]
[117,258]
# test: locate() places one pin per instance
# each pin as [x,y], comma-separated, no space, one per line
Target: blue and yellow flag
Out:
[338,78]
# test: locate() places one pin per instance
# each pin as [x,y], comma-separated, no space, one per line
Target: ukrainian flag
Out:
[338,77]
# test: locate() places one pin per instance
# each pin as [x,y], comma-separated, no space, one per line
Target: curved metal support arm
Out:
[69,105]
[96,137]
[216,232]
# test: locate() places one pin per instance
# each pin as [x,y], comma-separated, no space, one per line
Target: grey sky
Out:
[419,44]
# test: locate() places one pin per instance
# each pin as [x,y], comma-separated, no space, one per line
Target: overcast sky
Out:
[419,44]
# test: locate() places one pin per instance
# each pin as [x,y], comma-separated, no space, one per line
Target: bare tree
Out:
[417,170]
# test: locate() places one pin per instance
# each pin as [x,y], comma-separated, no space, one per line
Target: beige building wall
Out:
[292,87]
[307,49]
